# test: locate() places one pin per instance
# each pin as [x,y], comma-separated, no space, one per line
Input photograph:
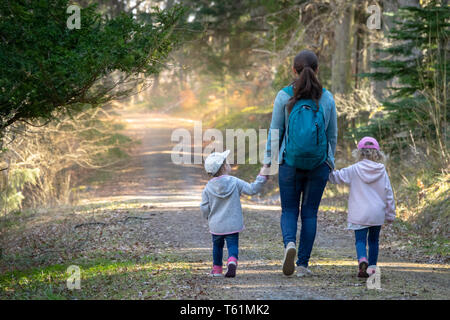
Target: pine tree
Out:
[418,64]
[47,68]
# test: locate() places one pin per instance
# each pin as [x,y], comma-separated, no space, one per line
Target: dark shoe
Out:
[363,264]
[231,268]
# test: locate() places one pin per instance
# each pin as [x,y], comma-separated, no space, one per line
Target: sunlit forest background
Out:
[221,62]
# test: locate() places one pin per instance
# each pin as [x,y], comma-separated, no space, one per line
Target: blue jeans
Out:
[367,235]
[309,185]
[232,246]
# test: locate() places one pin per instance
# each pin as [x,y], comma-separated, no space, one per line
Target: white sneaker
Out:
[303,272]
[289,259]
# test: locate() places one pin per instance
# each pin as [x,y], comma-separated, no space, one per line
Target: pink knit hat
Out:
[368,143]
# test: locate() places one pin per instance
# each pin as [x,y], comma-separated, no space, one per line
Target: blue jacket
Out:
[280,117]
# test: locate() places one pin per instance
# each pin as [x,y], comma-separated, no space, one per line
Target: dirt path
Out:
[153,179]
[141,235]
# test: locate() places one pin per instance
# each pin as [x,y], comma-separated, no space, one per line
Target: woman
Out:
[294,182]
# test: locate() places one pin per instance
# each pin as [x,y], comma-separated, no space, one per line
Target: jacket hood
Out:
[222,186]
[369,171]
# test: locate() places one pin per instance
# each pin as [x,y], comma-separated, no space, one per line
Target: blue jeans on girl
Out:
[232,246]
[309,185]
[367,235]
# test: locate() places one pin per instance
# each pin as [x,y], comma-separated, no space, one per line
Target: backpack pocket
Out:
[306,146]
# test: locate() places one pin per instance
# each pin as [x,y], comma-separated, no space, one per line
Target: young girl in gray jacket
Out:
[221,205]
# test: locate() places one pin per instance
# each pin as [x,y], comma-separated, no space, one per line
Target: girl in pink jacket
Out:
[370,203]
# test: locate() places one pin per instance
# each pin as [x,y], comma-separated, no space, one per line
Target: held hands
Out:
[265,171]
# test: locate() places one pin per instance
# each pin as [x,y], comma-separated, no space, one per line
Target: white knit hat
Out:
[215,160]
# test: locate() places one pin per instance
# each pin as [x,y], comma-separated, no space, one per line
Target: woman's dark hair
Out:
[306,86]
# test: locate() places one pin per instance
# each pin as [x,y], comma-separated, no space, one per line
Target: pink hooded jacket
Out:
[371,199]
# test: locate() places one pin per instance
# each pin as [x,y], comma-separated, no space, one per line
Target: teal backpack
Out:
[306,145]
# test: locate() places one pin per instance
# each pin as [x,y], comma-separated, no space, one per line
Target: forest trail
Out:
[150,174]
[140,235]
[153,179]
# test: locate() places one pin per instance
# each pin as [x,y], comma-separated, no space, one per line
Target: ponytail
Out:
[306,86]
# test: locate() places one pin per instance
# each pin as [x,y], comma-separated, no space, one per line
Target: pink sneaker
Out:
[363,264]
[231,267]
[216,271]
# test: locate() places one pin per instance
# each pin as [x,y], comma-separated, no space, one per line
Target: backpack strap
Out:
[290,92]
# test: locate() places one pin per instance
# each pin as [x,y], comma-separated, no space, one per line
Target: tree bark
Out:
[341,59]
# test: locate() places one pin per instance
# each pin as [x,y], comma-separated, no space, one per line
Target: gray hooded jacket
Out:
[221,203]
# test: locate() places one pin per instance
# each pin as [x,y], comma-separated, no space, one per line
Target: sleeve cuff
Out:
[264,177]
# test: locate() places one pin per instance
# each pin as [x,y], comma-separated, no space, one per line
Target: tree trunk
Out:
[341,59]
[341,66]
